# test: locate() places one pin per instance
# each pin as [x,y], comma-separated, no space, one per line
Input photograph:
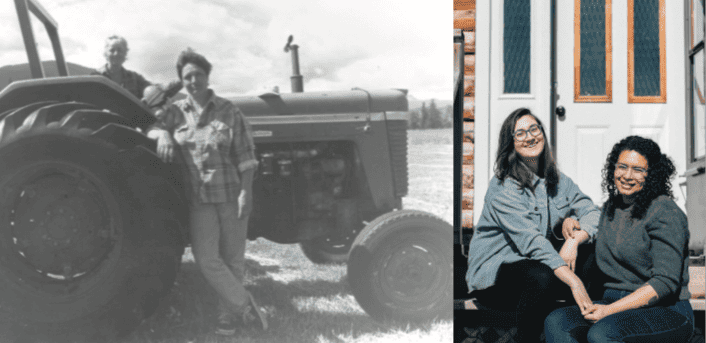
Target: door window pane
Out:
[646,34]
[593,47]
[516,46]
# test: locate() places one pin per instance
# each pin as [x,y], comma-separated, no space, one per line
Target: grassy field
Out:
[307,302]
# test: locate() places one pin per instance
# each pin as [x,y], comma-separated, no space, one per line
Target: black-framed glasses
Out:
[521,135]
[622,169]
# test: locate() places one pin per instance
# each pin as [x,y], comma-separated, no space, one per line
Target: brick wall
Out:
[465,20]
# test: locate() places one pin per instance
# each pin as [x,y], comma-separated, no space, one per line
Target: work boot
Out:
[226,325]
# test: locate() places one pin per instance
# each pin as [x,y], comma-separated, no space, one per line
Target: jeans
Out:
[674,323]
[530,289]
[218,240]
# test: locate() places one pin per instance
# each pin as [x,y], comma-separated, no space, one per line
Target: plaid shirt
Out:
[216,145]
[131,81]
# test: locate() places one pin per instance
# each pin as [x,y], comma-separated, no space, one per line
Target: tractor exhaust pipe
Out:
[297,81]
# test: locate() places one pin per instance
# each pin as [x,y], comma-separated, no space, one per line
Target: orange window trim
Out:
[608,97]
[662,98]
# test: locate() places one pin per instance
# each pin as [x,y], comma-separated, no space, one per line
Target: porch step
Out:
[696,288]
[696,282]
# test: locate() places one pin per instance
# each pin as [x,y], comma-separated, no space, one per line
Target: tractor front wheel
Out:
[400,267]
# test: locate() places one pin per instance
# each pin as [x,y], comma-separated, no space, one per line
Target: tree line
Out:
[431,117]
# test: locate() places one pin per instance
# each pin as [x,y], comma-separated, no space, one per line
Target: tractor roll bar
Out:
[35,64]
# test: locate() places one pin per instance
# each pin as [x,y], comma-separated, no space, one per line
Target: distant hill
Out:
[18,72]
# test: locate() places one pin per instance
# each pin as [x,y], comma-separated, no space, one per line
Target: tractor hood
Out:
[353,101]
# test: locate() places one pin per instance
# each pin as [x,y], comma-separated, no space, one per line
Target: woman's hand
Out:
[165,145]
[569,226]
[581,296]
[596,312]
[244,203]
[577,288]
[568,253]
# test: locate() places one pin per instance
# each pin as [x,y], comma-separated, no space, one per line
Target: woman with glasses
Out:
[642,248]
[514,264]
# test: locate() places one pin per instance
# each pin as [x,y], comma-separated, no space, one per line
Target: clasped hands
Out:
[590,311]
[569,251]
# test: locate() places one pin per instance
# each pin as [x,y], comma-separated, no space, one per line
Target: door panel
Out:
[588,130]
[590,148]
[593,123]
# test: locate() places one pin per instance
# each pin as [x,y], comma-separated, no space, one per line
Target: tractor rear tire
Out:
[89,240]
[400,267]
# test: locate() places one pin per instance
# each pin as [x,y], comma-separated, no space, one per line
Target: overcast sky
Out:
[371,44]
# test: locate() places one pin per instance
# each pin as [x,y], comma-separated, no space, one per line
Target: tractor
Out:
[93,224]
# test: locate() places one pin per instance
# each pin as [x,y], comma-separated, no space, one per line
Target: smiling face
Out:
[630,173]
[528,146]
[195,79]
[115,53]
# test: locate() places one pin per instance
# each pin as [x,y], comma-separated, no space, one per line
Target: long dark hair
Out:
[660,170]
[509,163]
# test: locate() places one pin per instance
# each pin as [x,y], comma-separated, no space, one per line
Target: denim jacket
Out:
[513,226]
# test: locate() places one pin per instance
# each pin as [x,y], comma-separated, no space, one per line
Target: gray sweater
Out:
[651,250]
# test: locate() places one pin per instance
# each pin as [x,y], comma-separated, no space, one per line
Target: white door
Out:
[605,97]
[602,105]
[519,63]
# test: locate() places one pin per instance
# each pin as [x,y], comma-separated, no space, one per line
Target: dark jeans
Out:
[674,324]
[530,289]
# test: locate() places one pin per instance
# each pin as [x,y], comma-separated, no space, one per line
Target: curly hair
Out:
[190,56]
[509,163]
[660,171]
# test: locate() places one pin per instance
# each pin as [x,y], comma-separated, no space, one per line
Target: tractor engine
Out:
[306,182]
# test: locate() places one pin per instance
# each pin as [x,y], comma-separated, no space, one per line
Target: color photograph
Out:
[583,188]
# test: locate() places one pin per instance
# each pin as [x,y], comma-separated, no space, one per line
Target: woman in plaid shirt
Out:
[217,148]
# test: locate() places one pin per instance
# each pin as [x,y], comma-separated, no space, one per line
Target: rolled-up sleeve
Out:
[514,217]
[587,213]
[243,145]
[668,234]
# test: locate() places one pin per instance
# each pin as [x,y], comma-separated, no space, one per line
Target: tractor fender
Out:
[95,90]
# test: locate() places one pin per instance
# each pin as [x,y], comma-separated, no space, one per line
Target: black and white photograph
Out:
[583,188]
[226,171]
